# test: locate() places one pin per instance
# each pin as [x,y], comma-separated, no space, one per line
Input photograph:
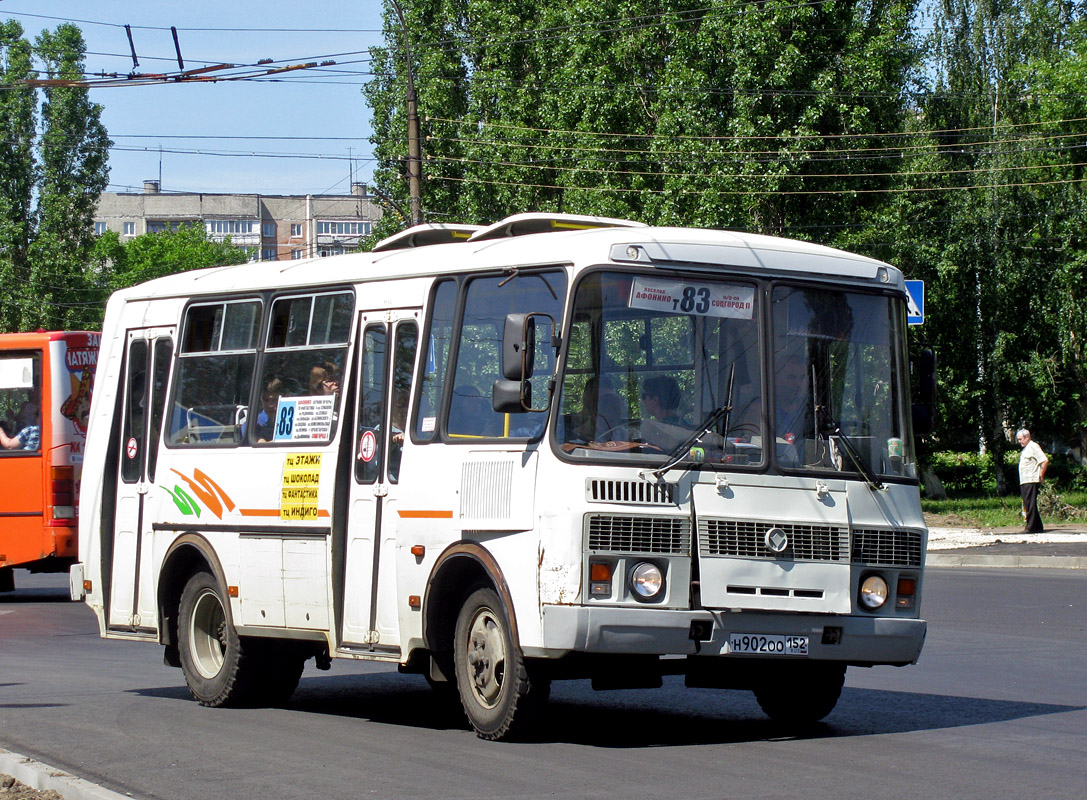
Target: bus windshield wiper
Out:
[683,450]
[850,449]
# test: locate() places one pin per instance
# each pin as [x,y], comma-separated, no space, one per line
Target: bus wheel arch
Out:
[460,569]
[471,631]
[189,554]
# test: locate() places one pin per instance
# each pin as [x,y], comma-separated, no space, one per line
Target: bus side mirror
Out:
[924,412]
[507,397]
[518,346]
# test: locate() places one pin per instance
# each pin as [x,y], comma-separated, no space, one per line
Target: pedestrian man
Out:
[1032,467]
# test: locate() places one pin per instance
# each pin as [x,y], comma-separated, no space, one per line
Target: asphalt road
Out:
[997,707]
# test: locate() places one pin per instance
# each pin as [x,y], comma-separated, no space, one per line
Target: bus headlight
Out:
[873,592]
[646,580]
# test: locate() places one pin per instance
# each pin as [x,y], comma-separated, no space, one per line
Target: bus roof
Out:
[30,338]
[630,246]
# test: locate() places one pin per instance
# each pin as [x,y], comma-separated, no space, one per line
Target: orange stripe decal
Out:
[424,514]
[272,512]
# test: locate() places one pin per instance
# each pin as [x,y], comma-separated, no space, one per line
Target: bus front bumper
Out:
[861,640]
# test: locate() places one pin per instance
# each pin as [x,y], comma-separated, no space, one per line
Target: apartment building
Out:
[270,227]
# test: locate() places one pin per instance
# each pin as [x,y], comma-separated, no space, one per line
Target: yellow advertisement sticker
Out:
[298,494]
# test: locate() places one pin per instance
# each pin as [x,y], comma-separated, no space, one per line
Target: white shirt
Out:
[1030,463]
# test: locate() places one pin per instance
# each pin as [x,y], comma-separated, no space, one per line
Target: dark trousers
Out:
[1030,503]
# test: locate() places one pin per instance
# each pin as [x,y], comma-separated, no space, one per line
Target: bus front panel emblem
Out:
[776,540]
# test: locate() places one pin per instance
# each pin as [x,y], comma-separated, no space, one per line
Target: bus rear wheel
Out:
[497,692]
[800,694]
[218,669]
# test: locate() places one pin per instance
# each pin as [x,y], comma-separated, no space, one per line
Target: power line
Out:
[755,192]
[785,137]
[757,175]
[851,154]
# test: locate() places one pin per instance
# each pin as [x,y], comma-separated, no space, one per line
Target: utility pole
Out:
[415,155]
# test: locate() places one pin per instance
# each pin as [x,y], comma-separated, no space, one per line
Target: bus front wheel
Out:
[800,694]
[213,656]
[497,691]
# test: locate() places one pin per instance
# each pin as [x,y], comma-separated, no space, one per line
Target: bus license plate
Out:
[768,644]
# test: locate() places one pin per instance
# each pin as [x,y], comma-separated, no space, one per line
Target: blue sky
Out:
[324,108]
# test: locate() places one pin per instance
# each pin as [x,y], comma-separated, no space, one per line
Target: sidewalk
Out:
[1062,546]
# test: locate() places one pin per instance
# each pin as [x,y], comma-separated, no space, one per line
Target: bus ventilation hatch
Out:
[598,490]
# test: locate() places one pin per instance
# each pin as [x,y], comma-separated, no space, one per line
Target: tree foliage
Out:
[126,263]
[944,137]
[53,166]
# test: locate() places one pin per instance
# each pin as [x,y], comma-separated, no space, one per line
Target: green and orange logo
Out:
[207,490]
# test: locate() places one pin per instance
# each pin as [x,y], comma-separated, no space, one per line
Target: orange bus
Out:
[46,379]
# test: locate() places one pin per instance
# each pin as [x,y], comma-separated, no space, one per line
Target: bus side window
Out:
[20,402]
[407,339]
[215,372]
[304,357]
[479,353]
[434,368]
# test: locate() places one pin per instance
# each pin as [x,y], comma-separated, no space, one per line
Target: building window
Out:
[330,250]
[99,228]
[296,230]
[268,254]
[228,226]
[162,225]
[268,229]
[343,228]
[129,229]
[296,255]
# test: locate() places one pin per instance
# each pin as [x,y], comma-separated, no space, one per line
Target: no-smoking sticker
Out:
[367,446]
[131,448]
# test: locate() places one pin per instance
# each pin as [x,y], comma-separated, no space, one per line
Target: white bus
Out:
[554,447]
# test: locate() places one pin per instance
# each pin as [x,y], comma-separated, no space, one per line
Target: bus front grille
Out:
[891,548]
[747,538]
[616,533]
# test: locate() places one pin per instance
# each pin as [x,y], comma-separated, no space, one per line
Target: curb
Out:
[1006,561]
[43,777]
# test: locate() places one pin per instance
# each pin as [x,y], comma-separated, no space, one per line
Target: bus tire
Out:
[281,666]
[801,695]
[495,685]
[214,657]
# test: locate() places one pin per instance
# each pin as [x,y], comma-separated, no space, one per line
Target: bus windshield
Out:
[701,370]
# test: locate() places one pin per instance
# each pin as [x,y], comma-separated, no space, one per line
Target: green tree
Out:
[18,121]
[700,113]
[52,178]
[995,254]
[126,263]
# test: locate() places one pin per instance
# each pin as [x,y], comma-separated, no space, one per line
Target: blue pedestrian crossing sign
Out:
[915,302]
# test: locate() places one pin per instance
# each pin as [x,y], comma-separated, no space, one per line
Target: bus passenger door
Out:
[147,369]
[389,342]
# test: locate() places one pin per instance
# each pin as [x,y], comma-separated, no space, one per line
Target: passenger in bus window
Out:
[603,412]
[29,436]
[269,402]
[324,378]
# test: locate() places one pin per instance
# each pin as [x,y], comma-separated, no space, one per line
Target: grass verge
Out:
[999,512]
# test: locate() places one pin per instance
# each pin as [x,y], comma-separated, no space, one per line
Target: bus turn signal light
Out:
[906,592]
[599,579]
